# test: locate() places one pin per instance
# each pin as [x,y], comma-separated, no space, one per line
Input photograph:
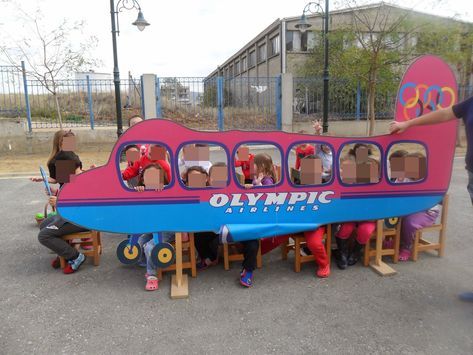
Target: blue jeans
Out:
[470,184]
[146,243]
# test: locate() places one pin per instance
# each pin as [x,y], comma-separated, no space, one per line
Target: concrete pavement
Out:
[106,310]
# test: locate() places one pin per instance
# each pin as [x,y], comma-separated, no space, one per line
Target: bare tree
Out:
[50,52]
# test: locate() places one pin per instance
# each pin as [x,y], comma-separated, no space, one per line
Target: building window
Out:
[230,71]
[289,40]
[275,48]
[293,41]
[262,52]
[244,64]
[252,59]
[237,67]
[307,41]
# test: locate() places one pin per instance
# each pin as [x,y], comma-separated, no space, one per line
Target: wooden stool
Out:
[188,249]
[299,242]
[237,256]
[421,244]
[387,233]
[96,244]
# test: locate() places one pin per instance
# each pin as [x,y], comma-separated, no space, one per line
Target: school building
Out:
[282,48]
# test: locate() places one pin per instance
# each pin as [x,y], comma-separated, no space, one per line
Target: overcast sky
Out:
[186,37]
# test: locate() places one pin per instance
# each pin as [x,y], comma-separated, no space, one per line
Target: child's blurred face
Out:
[218,176]
[157,152]
[132,154]
[152,178]
[196,179]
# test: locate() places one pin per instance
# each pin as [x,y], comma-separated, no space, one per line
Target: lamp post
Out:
[302,26]
[141,23]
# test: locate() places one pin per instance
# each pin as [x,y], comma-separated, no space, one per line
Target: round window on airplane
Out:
[145,166]
[257,164]
[360,163]
[310,163]
[407,162]
[203,165]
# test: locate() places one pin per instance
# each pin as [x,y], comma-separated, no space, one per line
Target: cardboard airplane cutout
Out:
[100,200]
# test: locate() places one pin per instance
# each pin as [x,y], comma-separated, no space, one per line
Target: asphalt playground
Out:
[104,309]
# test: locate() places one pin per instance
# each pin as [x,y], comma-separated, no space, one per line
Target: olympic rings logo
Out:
[434,97]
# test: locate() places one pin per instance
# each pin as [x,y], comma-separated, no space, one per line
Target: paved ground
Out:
[105,309]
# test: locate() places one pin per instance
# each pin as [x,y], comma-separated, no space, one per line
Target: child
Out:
[138,166]
[132,151]
[52,229]
[146,240]
[206,243]
[245,166]
[264,176]
[302,151]
[412,223]
[364,229]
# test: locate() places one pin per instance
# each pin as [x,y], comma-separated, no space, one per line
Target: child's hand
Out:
[259,179]
[248,186]
[317,127]
[36,179]
[52,201]
[140,188]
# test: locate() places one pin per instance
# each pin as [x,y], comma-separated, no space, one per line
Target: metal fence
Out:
[200,103]
[82,102]
[12,98]
[346,100]
[219,103]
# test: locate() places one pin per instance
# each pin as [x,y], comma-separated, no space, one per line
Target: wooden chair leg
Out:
[415,250]
[226,262]
[259,259]
[192,255]
[95,245]
[397,242]
[160,274]
[297,251]
[366,256]
[99,239]
[441,249]
[62,262]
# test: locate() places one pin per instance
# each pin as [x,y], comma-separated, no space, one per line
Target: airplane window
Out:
[407,162]
[257,164]
[310,163]
[145,166]
[203,164]
[360,163]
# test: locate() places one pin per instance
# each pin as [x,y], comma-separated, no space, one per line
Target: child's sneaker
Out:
[323,272]
[74,265]
[87,247]
[246,278]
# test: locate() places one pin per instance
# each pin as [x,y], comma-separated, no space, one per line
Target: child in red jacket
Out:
[145,160]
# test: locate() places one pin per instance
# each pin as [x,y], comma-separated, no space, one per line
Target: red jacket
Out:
[143,162]
[301,153]
[245,166]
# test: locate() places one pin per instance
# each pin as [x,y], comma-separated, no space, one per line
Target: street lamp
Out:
[141,23]
[302,26]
